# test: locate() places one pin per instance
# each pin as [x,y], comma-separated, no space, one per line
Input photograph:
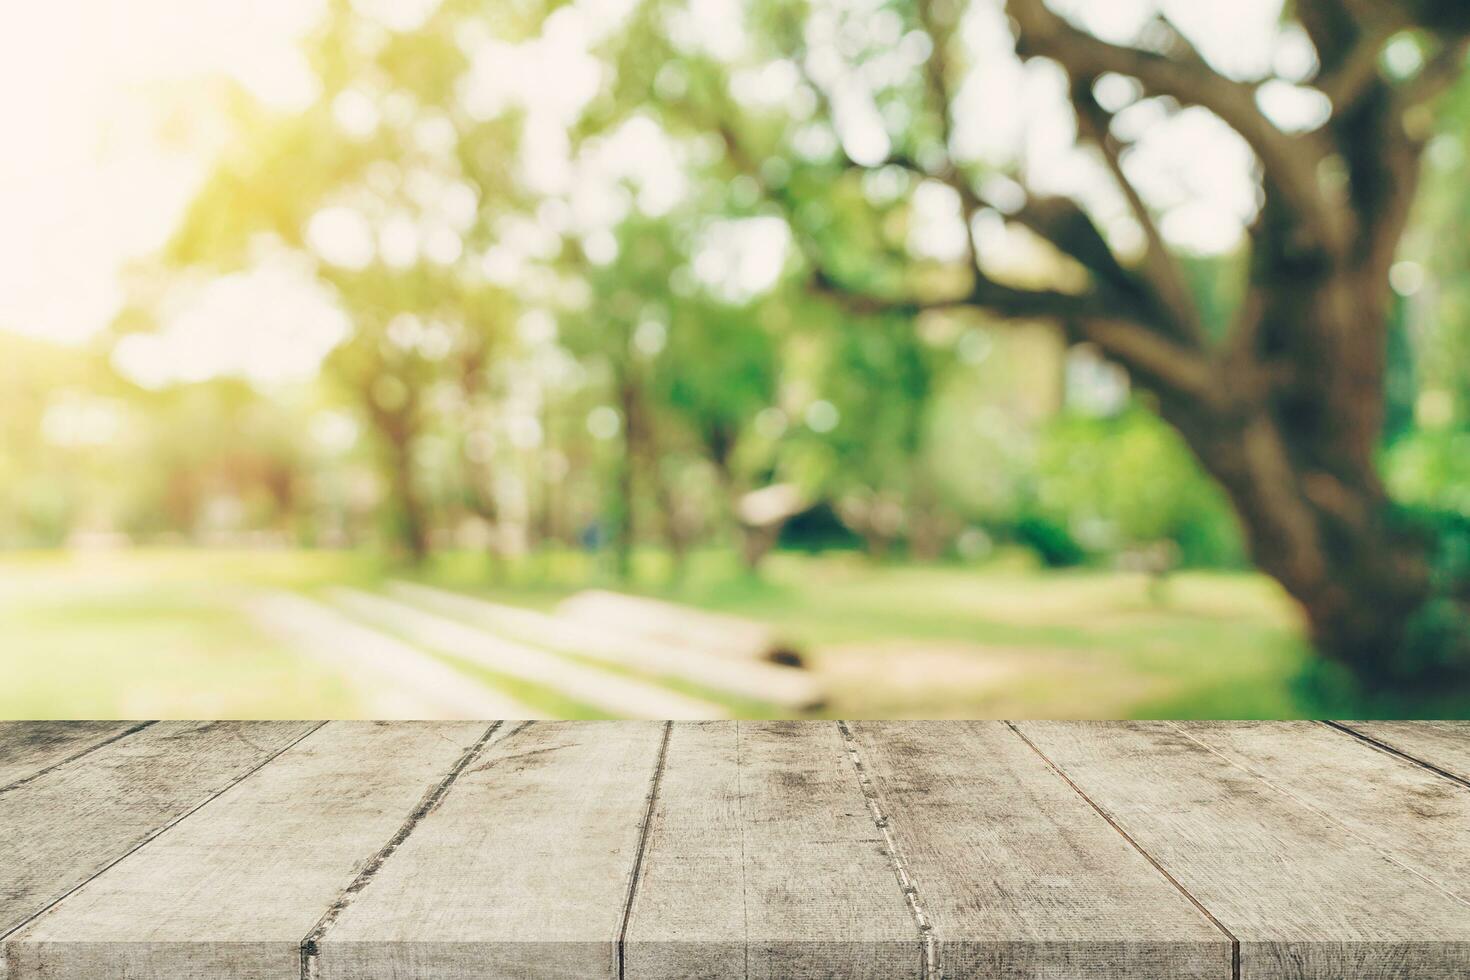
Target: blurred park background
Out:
[315,317]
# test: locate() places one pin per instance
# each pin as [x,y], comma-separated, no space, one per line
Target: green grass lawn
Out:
[160,633]
[142,636]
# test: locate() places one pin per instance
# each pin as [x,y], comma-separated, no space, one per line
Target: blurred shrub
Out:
[1124,482]
[818,528]
[1429,469]
[1050,539]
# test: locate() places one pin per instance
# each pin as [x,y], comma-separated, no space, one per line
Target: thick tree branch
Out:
[1381,138]
[1156,361]
[1332,30]
[1005,301]
[937,73]
[1067,226]
[1062,222]
[1356,72]
[1442,71]
[1291,161]
[1059,221]
[1452,16]
[1160,266]
[1119,316]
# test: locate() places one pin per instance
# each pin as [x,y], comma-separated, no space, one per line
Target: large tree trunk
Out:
[1286,408]
[480,498]
[930,525]
[1293,442]
[675,532]
[480,494]
[1287,412]
[398,428]
[623,511]
[752,543]
[411,516]
[1328,538]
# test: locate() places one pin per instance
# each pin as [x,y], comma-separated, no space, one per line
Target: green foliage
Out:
[1439,311]
[1429,469]
[1217,284]
[818,529]
[1050,539]
[1126,481]
[718,370]
[167,630]
[948,419]
[609,389]
[1438,642]
[881,378]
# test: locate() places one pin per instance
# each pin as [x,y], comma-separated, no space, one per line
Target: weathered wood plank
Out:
[762,860]
[62,828]
[1442,744]
[233,890]
[1305,898]
[619,696]
[785,686]
[1412,815]
[523,870]
[1018,875]
[30,747]
[382,663]
[436,851]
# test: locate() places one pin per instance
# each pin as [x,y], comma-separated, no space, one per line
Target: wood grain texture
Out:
[523,869]
[1019,876]
[28,747]
[763,861]
[1305,898]
[233,890]
[1442,744]
[62,828]
[1411,815]
[798,850]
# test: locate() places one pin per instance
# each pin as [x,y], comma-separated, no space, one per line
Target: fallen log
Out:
[667,622]
[757,680]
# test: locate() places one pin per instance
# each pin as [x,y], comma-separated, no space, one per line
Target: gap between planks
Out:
[161,829]
[311,944]
[930,967]
[740,810]
[931,963]
[1396,752]
[1368,842]
[658,775]
[103,743]
[1234,941]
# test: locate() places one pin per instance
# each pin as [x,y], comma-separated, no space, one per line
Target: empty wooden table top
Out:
[735,849]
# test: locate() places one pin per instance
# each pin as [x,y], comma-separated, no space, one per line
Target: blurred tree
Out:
[1287,410]
[1088,481]
[719,370]
[394,185]
[881,379]
[1284,406]
[1432,274]
[64,419]
[690,374]
[211,487]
